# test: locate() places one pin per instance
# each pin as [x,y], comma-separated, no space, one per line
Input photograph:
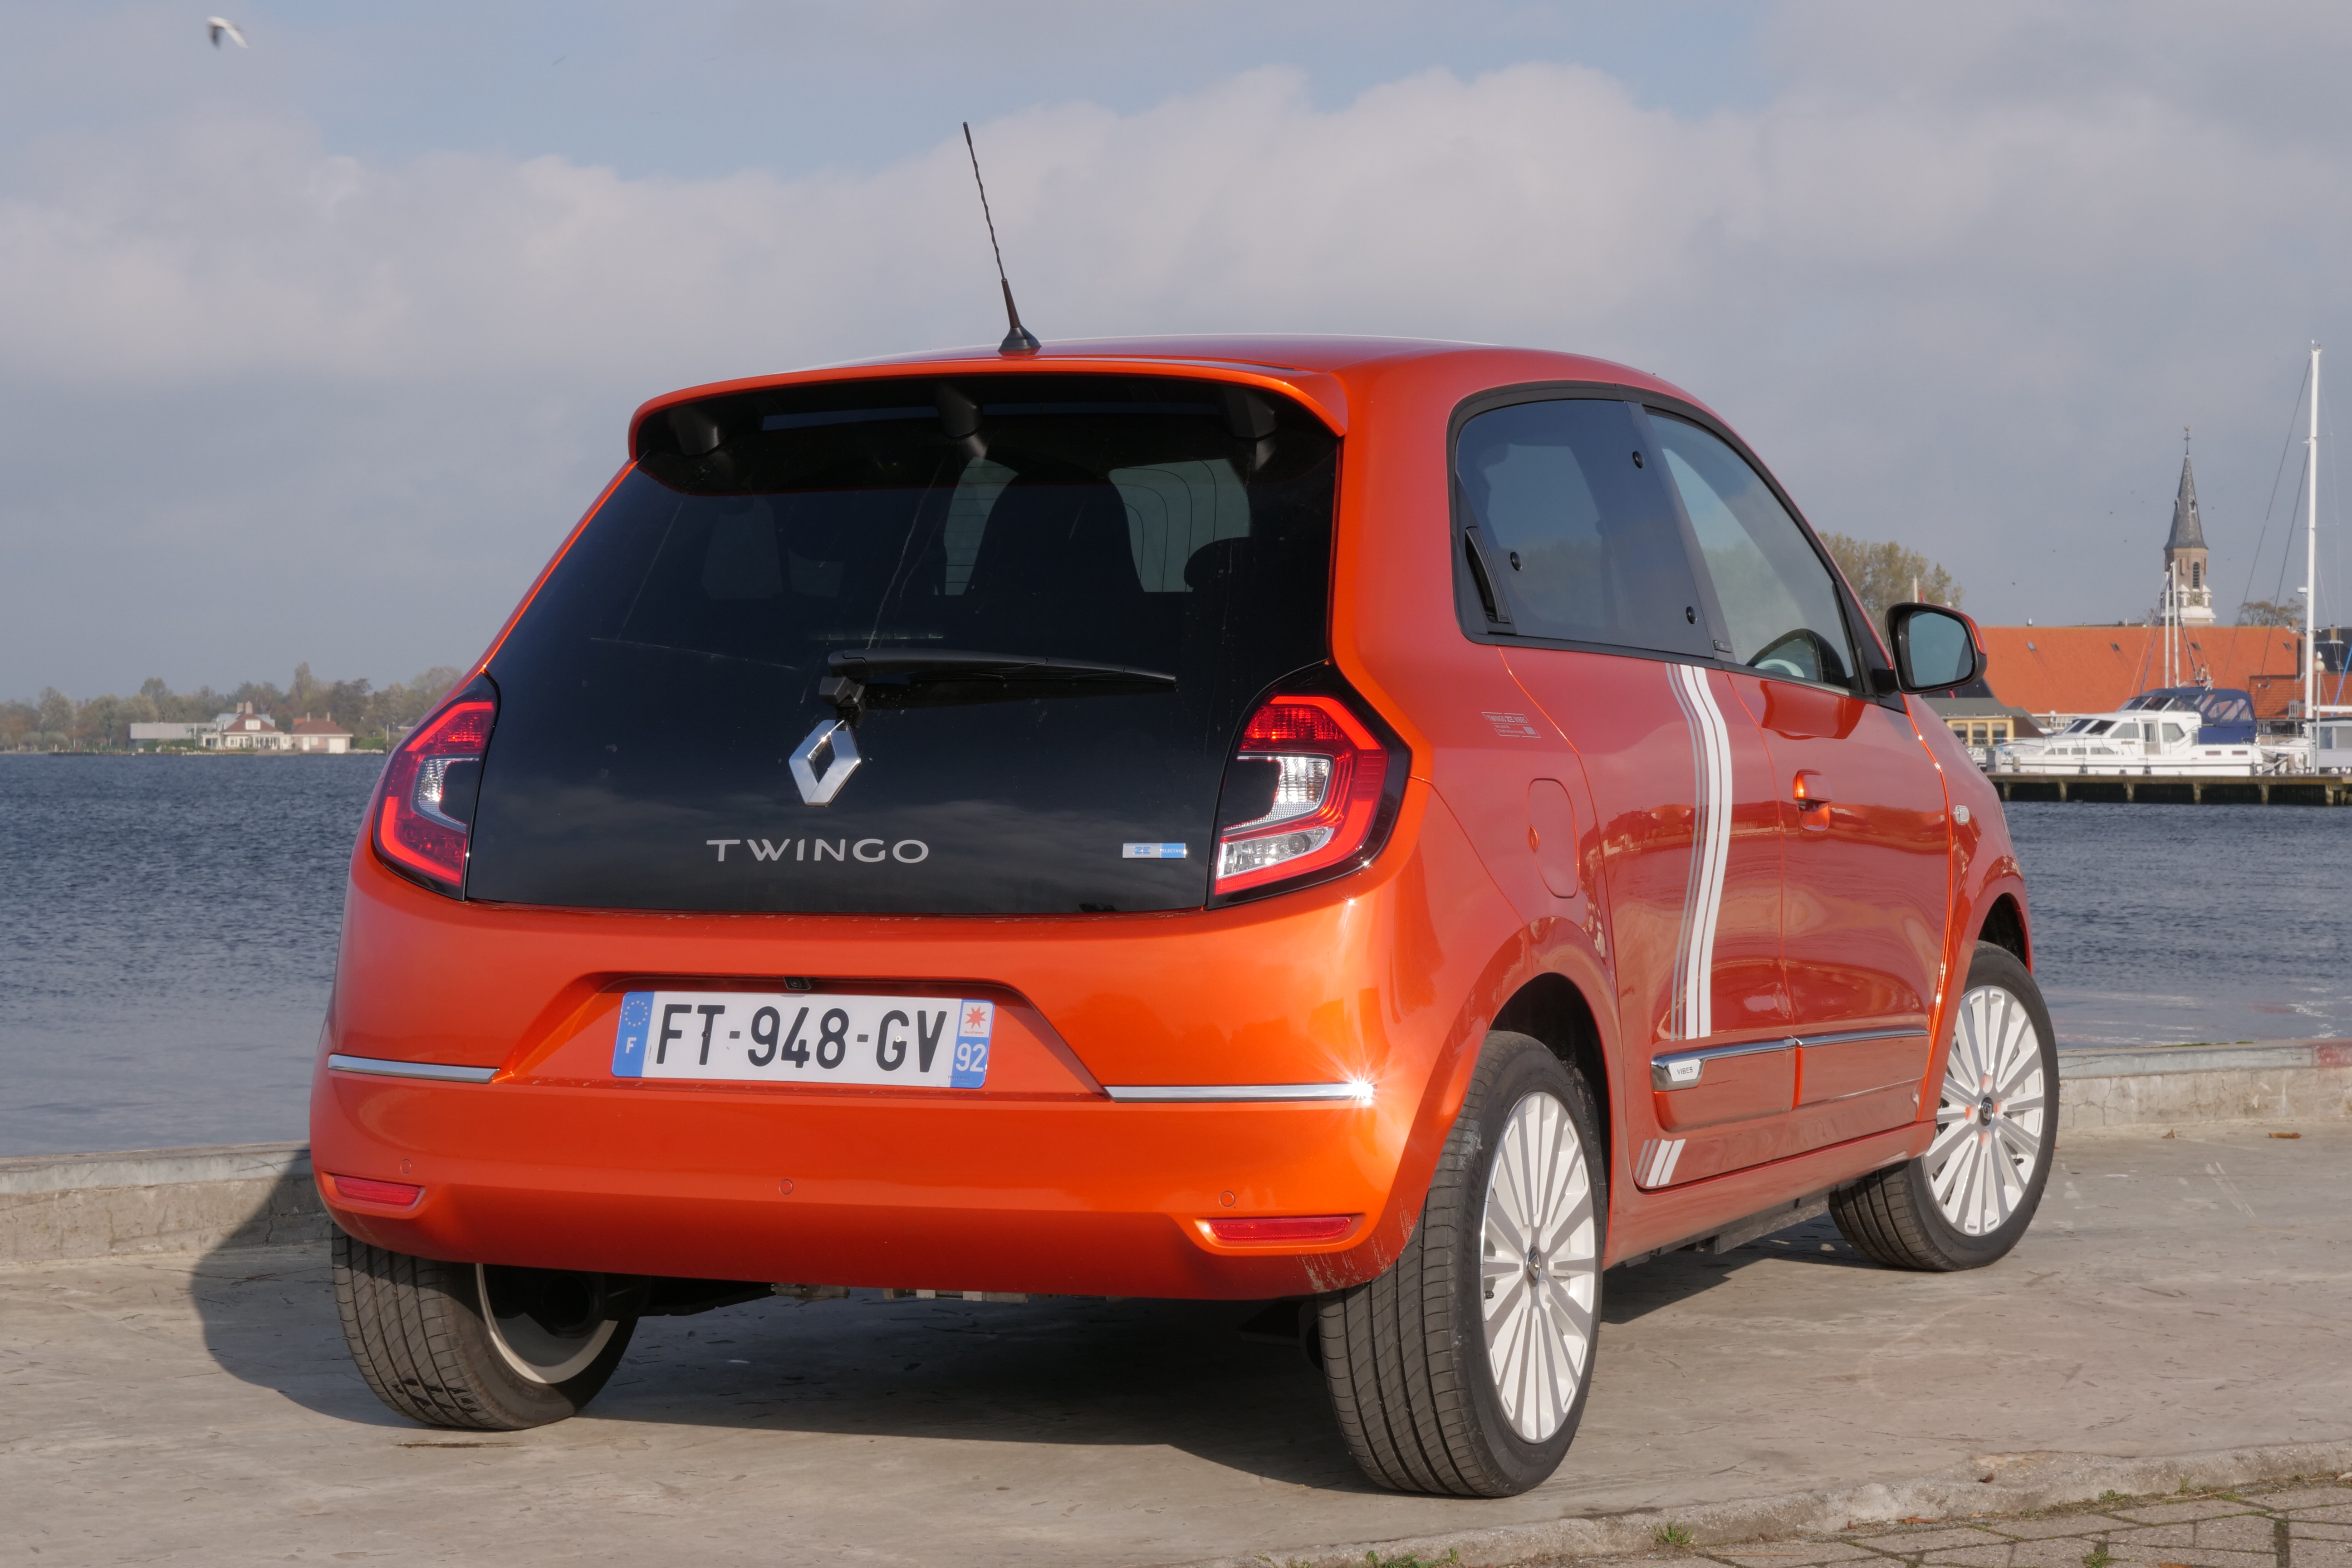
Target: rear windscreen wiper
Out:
[858,678]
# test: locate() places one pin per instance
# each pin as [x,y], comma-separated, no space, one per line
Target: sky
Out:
[313,351]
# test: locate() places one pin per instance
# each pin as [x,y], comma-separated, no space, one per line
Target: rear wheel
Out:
[1966,1202]
[1464,1369]
[474,1345]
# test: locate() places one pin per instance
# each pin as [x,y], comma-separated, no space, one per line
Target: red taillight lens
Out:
[368,1190]
[1292,1227]
[423,810]
[1323,780]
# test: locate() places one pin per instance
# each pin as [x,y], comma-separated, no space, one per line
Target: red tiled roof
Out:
[2096,669]
[326,726]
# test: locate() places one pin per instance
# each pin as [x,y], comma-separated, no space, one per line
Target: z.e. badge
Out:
[751,1037]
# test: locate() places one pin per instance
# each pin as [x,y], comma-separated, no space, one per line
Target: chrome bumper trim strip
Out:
[1204,1093]
[443,1072]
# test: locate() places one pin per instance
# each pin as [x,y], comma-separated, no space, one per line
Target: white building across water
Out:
[245,731]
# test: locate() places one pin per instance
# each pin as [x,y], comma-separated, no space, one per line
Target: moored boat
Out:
[2172,729]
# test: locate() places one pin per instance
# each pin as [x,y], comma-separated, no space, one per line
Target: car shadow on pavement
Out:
[1634,1292]
[1058,1371]
[1067,1371]
[267,1318]
[1070,1372]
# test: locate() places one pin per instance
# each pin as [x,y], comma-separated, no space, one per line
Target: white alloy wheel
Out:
[1988,1127]
[1540,1266]
[533,1351]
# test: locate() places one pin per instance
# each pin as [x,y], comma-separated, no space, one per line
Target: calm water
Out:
[167,935]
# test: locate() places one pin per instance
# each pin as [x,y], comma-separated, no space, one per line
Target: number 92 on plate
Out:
[800,1037]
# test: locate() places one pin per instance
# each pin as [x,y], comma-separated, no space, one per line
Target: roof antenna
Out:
[1020,340]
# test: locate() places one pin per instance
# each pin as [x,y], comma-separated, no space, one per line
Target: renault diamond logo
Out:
[819,790]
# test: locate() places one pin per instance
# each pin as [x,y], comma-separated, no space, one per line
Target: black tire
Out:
[1406,1356]
[1896,1216]
[419,1331]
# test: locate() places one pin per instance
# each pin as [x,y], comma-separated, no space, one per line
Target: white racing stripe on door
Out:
[1692,1014]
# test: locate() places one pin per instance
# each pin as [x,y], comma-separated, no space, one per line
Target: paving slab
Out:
[2302,1497]
[2183,1302]
[2057,1524]
[2061,1554]
[1912,1543]
[2182,1512]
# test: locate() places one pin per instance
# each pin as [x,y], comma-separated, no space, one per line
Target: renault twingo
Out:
[1395,825]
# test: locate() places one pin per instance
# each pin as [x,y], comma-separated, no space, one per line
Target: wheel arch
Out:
[1550,1007]
[2004,926]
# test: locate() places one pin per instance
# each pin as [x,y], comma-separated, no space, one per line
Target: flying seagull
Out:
[216,26]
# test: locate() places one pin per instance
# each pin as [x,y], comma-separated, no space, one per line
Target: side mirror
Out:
[1935,648]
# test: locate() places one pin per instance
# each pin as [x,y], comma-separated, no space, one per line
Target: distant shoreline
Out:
[199,752]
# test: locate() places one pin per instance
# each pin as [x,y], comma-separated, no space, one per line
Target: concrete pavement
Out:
[2305,1525]
[2180,1296]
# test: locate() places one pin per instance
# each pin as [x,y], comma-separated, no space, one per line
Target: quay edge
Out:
[2175,789]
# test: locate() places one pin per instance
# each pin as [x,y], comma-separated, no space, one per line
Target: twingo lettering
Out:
[868,851]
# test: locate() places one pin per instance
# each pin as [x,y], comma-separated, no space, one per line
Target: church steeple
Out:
[2184,551]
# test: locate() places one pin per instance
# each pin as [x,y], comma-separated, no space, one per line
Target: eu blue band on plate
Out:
[629,1039]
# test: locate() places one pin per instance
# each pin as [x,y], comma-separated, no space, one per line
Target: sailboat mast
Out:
[2311,570]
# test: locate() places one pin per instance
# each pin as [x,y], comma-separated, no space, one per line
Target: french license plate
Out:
[751,1037]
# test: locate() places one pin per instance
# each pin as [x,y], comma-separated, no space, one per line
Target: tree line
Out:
[1890,573]
[56,723]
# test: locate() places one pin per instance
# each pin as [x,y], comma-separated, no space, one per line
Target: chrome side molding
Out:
[444,1072]
[1212,1093]
[1681,1069]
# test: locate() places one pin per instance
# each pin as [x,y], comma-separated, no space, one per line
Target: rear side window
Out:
[1565,508]
[1780,608]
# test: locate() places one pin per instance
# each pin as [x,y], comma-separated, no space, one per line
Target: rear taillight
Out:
[1309,792]
[424,811]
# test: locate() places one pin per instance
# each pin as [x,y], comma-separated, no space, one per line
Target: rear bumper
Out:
[1063,1175]
[1072,1194]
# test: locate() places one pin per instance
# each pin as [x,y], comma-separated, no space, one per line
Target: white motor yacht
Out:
[2174,730]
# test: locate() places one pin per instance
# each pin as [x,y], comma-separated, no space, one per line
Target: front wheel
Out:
[1464,1369]
[1966,1202]
[475,1345]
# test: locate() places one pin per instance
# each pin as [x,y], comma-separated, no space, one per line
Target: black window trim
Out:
[1470,616]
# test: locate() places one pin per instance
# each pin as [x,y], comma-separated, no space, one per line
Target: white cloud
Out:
[1950,304]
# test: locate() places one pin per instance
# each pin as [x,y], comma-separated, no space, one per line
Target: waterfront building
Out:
[168,732]
[2061,673]
[1981,722]
[311,735]
[245,731]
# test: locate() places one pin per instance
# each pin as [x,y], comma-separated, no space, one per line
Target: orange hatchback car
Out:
[1394,827]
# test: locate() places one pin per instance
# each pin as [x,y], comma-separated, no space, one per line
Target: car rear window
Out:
[1070,548]
[653,691]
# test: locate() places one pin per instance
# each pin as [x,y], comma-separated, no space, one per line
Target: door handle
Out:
[1809,790]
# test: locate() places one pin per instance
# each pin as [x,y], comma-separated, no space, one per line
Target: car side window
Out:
[1780,606]
[1568,503]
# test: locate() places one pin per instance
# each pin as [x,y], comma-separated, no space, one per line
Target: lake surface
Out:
[168,928]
